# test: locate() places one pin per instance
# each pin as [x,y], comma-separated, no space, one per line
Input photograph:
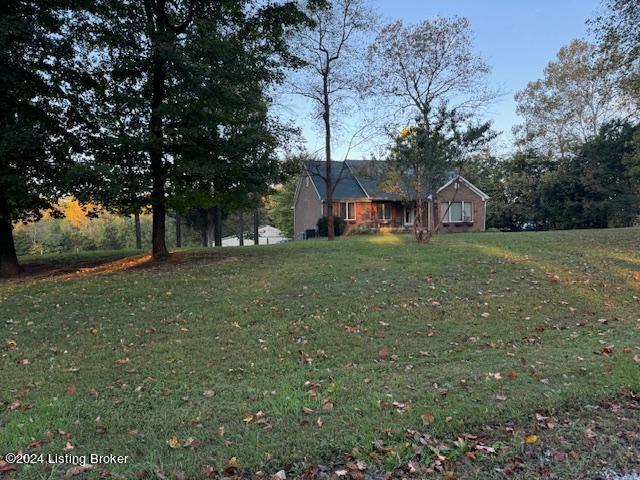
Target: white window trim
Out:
[384,219]
[462,206]
[346,210]
[405,215]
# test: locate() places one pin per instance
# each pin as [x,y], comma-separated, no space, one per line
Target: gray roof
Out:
[359,179]
[353,179]
[346,185]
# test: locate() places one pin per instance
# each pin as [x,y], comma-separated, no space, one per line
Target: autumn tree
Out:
[35,116]
[569,105]
[618,33]
[169,64]
[332,52]
[429,77]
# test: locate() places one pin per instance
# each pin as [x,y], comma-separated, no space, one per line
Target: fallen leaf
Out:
[7,467]
[79,470]
[173,442]
[530,439]
[327,403]
[35,443]
[512,375]
[71,390]
[192,442]
[607,351]
[427,418]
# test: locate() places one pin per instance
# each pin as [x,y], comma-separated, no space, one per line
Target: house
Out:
[361,197]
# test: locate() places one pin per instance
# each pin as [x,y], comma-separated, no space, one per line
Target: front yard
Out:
[284,357]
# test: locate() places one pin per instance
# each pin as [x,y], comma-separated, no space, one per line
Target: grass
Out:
[234,348]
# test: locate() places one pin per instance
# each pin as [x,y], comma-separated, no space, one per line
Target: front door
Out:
[409,215]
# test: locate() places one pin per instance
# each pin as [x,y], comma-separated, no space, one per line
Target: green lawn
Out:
[242,352]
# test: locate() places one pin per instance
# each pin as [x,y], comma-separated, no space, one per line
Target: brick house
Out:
[361,197]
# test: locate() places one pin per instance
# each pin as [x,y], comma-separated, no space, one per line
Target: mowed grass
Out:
[475,329]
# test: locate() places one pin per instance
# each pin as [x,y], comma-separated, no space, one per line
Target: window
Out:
[456,212]
[348,210]
[383,211]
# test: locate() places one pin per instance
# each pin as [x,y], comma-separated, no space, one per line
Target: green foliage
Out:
[596,189]
[338,226]
[279,207]
[181,102]
[36,113]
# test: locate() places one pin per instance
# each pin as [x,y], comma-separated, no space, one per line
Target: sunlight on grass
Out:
[386,239]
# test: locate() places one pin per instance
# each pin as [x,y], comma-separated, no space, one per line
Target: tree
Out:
[618,34]
[170,64]
[430,76]
[518,202]
[596,188]
[35,116]
[331,50]
[567,107]
[422,158]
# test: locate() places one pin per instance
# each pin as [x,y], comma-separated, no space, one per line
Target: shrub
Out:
[338,226]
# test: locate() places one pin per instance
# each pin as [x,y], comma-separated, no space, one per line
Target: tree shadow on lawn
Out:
[67,266]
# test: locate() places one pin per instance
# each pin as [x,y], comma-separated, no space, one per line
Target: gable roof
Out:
[362,179]
[471,186]
[345,184]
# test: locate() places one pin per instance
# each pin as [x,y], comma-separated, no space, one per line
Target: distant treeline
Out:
[595,186]
[85,228]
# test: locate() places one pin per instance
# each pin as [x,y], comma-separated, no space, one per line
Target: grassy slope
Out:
[241,323]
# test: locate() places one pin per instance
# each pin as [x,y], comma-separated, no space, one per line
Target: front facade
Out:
[361,199]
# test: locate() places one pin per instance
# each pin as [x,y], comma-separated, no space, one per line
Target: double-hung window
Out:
[457,212]
[383,211]
[348,210]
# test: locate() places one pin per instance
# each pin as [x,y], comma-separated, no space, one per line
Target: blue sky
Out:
[516,37]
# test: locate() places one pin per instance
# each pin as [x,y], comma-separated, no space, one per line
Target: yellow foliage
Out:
[73,212]
[406,131]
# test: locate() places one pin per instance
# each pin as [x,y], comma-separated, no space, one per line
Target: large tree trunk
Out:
[241,228]
[136,219]
[178,230]
[158,172]
[205,242]
[256,226]
[218,226]
[326,116]
[9,265]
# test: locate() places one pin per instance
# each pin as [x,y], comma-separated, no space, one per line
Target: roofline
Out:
[471,186]
[310,181]
[356,178]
